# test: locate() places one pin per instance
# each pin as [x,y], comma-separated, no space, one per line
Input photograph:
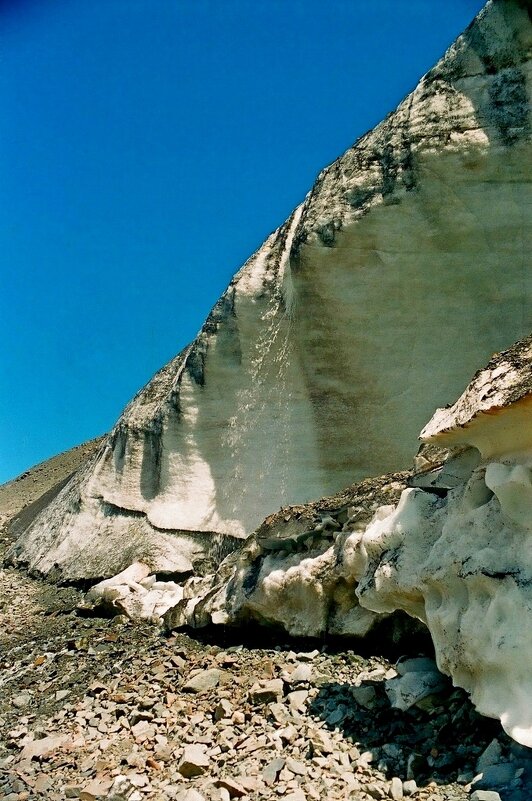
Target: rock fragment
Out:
[301,674]
[264,692]
[321,742]
[189,795]
[364,695]
[490,756]
[272,770]
[43,747]
[412,687]
[223,709]
[194,761]
[396,789]
[204,681]
[308,656]
[375,791]
[409,787]
[234,789]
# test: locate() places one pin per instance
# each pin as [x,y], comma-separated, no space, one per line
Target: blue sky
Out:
[147,148]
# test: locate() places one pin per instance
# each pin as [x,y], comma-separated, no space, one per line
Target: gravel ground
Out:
[96,708]
[100,708]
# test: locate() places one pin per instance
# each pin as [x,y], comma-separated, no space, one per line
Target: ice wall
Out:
[404,268]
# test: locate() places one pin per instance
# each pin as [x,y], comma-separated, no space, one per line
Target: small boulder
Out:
[321,742]
[194,761]
[405,691]
[364,695]
[495,776]
[204,681]
[490,756]
[271,772]
[223,710]
[396,789]
[301,674]
[264,692]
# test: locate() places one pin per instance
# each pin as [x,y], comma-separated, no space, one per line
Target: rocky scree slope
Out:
[28,494]
[94,708]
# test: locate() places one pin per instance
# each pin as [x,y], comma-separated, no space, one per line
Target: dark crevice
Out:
[392,637]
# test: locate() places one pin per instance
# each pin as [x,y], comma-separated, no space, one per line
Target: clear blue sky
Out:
[147,147]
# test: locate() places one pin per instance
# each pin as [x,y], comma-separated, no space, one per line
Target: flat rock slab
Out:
[204,681]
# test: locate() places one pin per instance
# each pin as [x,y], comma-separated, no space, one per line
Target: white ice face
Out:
[404,268]
[463,565]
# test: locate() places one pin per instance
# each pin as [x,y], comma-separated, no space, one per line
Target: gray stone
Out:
[307,656]
[495,776]
[485,795]
[337,716]
[297,698]
[296,767]
[375,791]
[419,664]
[321,742]
[321,679]
[22,700]
[409,787]
[364,759]
[364,695]
[396,789]
[279,713]
[288,733]
[72,791]
[272,770]
[392,751]
[414,765]
[43,747]
[223,710]
[490,756]
[190,795]
[264,692]
[405,691]
[194,761]
[234,789]
[204,681]
[302,673]
[297,795]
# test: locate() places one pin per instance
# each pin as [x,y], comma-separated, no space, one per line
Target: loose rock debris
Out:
[95,708]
